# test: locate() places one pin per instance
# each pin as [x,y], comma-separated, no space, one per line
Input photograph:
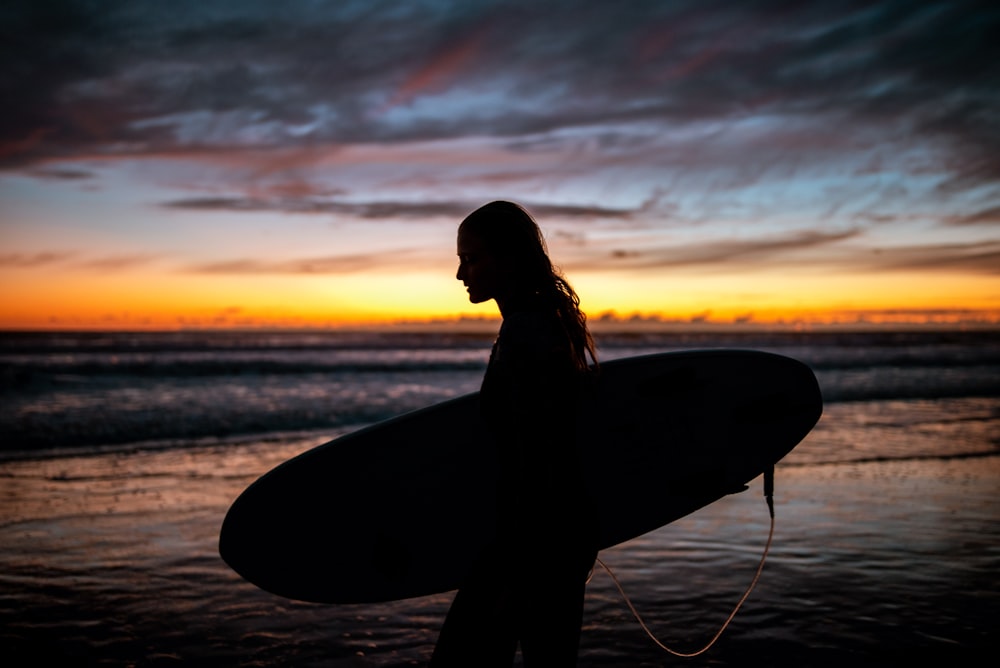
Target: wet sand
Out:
[111,560]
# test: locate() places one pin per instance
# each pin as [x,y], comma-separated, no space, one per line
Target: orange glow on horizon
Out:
[93,301]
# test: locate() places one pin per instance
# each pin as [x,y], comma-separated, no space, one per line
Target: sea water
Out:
[120,452]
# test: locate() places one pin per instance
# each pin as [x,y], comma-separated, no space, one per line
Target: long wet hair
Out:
[512,235]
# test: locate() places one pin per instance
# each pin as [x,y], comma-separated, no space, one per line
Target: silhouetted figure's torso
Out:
[529,585]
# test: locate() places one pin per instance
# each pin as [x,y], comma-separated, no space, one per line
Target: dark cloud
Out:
[62,174]
[716,255]
[990,216]
[568,211]
[972,258]
[33,260]
[321,265]
[330,264]
[113,263]
[385,210]
[117,77]
[108,263]
[845,250]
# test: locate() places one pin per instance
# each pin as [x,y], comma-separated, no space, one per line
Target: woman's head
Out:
[502,256]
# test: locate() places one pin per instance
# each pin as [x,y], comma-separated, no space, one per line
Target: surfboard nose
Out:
[238,538]
[254,534]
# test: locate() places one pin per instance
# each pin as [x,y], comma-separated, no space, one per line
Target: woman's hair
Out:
[513,235]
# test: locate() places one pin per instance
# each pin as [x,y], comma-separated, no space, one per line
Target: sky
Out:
[192,164]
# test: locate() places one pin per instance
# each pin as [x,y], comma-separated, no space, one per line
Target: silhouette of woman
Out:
[528,586]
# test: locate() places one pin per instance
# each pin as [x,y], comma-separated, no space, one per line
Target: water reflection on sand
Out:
[112,558]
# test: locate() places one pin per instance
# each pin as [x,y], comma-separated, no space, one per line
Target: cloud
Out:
[442,68]
[117,79]
[581,211]
[34,260]
[330,264]
[114,263]
[716,255]
[369,210]
[104,263]
[846,251]
[695,116]
[990,216]
[383,210]
[973,258]
[63,174]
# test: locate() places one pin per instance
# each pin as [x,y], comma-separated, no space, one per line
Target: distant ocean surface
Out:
[85,391]
[120,452]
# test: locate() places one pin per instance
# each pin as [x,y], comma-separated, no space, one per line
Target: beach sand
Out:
[111,559]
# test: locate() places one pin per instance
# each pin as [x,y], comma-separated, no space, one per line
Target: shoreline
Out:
[117,564]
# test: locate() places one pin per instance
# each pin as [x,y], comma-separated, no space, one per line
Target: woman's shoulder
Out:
[532,334]
[528,326]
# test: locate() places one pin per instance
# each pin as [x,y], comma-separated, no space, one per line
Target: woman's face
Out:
[478,269]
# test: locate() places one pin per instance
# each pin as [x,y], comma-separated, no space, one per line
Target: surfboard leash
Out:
[769,498]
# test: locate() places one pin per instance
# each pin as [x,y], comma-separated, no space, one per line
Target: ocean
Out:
[120,453]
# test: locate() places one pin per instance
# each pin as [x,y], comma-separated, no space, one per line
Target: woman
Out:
[528,586]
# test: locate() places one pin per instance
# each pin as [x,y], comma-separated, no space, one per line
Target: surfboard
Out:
[400,509]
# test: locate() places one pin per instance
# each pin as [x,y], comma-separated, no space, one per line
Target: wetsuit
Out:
[528,586]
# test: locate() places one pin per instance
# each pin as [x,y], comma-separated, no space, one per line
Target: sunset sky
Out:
[292,164]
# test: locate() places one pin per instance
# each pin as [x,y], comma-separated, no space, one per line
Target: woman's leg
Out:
[479,629]
[551,606]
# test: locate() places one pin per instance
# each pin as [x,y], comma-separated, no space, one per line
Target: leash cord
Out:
[769,496]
